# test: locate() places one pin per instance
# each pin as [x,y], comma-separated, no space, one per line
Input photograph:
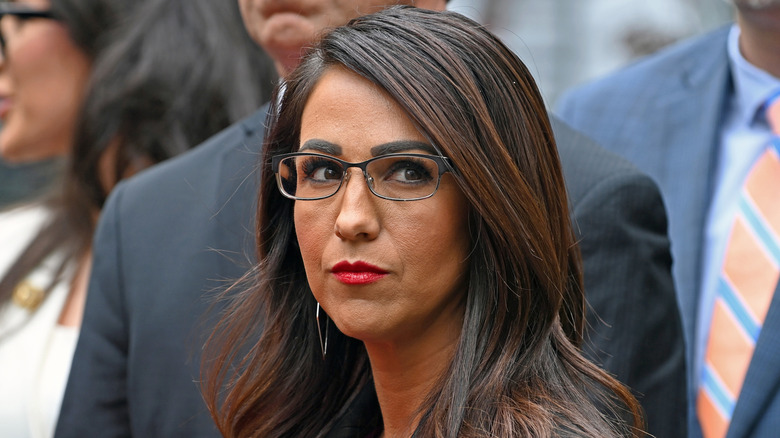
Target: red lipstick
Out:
[357,273]
[5,107]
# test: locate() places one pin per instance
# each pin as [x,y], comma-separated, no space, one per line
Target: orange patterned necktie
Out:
[751,267]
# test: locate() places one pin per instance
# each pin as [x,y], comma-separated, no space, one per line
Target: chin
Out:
[10,154]
[366,331]
[757,4]
[354,330]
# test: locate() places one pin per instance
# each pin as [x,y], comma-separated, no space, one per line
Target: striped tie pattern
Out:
[747,282]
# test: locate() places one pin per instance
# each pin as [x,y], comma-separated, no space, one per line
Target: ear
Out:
[436,5]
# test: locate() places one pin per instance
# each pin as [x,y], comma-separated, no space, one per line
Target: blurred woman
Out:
[418,274]
[113,86]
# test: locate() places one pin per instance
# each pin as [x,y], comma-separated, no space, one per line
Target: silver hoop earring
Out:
[323,345]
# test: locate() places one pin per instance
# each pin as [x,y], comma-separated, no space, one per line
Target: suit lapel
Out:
[691,180]
[693,116]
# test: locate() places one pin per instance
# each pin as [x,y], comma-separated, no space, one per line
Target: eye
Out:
[320,169]
[409,171]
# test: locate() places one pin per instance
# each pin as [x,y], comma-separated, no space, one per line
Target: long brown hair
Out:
[517,370]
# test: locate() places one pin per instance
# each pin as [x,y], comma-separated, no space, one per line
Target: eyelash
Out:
[413,165]
[313,164]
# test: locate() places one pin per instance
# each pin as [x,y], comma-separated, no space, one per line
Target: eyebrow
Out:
[318,145]
[392,147]
[395,147]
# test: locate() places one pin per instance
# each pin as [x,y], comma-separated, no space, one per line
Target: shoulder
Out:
[674,66]
[196,175]
[589,168]
[203,160]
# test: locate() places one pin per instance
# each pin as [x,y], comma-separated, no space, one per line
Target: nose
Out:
[358,217]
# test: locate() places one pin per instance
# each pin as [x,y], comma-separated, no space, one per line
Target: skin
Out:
[43,77]
[284,28]
[757,4]
[759,21]
[409,319]
[41,62]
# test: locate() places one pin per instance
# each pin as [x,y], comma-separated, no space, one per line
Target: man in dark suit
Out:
[693,117]
[168,238]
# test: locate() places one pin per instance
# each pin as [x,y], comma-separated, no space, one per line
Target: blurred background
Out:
[563,43]
[568,42]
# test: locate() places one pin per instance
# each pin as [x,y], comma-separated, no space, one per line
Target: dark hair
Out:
[183,71]
[517,370]
[89,23]
[166,75]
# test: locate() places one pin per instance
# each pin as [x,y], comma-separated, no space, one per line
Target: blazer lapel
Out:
[693,116]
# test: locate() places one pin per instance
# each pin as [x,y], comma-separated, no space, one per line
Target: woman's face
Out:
[42,79]
[384,271]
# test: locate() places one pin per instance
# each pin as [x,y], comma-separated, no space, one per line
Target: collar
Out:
[752,86]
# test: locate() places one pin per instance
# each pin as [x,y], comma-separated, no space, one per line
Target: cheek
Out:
[47,77]
[313,231]
[252,17]
[435,243]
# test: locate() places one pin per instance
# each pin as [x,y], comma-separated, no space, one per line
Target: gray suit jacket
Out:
[171,235]
[664,114]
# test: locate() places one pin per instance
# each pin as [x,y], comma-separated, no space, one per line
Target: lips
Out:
[5,107]
[357,273]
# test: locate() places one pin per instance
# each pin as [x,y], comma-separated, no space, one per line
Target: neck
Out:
[404,375]
[759,40]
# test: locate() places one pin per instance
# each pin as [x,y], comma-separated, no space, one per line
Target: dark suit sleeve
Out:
[95,402]
[634,327]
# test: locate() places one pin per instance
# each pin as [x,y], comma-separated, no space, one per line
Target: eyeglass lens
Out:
[401,177]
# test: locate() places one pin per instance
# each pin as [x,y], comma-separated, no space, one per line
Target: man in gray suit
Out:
[172,235]
[692,117]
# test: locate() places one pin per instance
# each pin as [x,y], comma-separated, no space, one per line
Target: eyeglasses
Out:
[307,176]
[22,13]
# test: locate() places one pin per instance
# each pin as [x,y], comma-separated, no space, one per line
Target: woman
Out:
[112,86]
[418,274]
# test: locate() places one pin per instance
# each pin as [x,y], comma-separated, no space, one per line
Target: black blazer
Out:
[172,235]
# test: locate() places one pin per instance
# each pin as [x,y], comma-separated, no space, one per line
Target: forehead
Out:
[346,109]
[338,86]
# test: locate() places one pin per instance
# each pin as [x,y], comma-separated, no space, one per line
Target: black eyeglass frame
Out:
[443,163]
[23,13]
